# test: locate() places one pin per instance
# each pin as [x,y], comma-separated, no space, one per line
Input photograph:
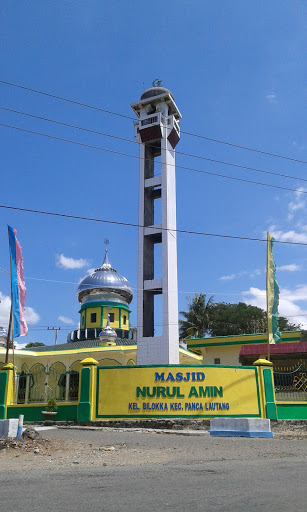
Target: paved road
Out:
[235,475]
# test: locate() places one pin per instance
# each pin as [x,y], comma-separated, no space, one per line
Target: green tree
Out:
[231,319]
[196,321]
[224,319]
[35,344]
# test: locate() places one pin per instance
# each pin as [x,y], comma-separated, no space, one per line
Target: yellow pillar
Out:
[7,376]
[267,387]
[87,400]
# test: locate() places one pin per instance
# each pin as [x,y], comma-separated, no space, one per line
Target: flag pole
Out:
[267,294]
[10,328]
[8,336]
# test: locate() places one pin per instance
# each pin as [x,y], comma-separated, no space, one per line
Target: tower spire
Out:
[106,265]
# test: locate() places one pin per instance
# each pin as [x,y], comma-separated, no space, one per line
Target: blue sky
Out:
[236,70]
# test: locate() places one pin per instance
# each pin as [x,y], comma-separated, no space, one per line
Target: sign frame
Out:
[170,416]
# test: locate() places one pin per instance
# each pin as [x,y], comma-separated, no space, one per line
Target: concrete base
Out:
[8,428]
[240,427]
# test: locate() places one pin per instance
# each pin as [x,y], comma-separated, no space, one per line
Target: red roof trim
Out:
[280,348]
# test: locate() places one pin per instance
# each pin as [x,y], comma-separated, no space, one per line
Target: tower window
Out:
[217,360]
[111,317]
[93,318]
[124,320]
[83,320]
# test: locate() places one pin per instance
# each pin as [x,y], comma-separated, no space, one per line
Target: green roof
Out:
[79,344]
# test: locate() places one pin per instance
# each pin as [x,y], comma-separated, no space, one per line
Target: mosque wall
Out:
[95,315]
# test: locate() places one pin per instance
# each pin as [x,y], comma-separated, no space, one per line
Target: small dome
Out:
[105,279]
[107,334]
[155,91]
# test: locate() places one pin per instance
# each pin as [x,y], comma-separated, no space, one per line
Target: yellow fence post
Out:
[6,388]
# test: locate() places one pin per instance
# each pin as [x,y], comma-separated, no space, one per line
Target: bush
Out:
[51,405]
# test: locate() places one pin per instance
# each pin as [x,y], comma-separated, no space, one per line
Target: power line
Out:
[133,287]
[66,99]
[130,224]
[245,147]
[209,173]
[190,155]
[129,117]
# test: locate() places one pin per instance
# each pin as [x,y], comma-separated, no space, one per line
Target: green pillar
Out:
[268,385]
[3,385]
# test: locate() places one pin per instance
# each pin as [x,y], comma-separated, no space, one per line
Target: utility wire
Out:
[130,224]
[96,132]
[129,117]
[225,176]
[66,99]
[244,147]
[133,287]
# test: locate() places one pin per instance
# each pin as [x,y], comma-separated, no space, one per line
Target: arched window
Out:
[57,381]
[37,383]
[109,362]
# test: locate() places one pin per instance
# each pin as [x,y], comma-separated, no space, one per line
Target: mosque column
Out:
[86,404]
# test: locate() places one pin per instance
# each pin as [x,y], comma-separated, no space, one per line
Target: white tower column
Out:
[157,133]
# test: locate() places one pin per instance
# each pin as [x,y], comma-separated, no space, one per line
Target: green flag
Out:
[272,294]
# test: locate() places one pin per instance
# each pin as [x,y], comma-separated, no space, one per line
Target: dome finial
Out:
[106,265]
[157,82]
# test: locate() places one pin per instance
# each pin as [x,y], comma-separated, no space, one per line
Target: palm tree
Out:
[196,321]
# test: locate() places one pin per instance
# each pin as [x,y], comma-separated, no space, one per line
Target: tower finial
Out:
[157,82]
[106,265]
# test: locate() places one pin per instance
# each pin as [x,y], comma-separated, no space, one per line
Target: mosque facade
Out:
[103,371]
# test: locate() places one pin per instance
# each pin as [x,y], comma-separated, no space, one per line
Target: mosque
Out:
[106,369]
[104,334]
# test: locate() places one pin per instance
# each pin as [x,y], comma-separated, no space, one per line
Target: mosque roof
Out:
[105,278]
[78,344]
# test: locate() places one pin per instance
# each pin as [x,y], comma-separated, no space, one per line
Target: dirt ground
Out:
[68,448]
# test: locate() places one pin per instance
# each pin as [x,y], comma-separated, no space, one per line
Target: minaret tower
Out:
[157,132]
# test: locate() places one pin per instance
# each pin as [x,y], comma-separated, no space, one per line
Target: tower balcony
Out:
[174,131]
[150,127]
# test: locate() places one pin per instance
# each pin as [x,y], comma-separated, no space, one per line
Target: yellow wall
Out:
[96,310]
[178,391]
[118,313]
[114,324]
[227,348]
[71,357]
[82,319]
[227,355]
[125,313]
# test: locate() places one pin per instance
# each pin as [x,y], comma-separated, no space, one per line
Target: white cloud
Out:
[228,278]
[5,306]
[250,274]
[287,307]
[300,147]
[65,320]
[31,316]
[19,346]
[292,267]
[70,263]
[287,236]
[271,97]
[298,203]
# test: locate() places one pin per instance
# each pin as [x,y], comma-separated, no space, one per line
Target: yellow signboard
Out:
[177,391]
